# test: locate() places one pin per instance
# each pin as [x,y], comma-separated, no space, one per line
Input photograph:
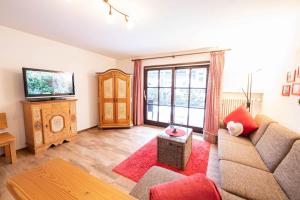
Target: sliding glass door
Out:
[159,92]
[176,95]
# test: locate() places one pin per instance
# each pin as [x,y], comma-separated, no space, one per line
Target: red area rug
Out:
[136,165]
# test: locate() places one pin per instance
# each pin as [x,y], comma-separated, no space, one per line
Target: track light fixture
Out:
[111,7]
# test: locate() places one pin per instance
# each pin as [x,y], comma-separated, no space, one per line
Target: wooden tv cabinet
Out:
[49,123]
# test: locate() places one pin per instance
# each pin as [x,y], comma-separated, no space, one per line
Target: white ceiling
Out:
[159,25]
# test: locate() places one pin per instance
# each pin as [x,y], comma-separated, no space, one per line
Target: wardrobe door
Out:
[122,100]
[107,96]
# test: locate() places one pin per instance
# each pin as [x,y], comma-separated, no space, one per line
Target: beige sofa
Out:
[265,165]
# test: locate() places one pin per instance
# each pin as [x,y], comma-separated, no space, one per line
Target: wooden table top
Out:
[6,138]
[58,179]
[3,121]
[181,139]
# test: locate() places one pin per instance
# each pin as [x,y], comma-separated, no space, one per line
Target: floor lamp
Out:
[248,94]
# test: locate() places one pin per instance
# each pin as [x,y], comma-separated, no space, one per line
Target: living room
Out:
[187,65]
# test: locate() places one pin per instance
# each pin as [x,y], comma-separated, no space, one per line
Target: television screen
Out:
[39,83]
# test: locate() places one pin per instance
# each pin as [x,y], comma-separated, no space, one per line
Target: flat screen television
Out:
[40,83]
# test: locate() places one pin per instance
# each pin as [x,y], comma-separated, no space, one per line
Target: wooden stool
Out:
[8,141]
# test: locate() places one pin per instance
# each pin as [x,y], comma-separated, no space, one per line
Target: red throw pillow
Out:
[241,115]
[195,187]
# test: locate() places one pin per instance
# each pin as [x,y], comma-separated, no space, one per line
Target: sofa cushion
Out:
[228,196]
[275,144]
[194,187]
[242,116]
[287,173]
[248,182]
[263,122]
[235,129]
[241,153]
[155,175]
[224,135]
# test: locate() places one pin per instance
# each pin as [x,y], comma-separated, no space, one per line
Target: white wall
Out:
[234,75]
[284,109]
[259,42]
[19,49]
[269,42]
[128,65]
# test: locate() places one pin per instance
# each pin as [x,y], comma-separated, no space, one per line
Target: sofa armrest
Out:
[155,175]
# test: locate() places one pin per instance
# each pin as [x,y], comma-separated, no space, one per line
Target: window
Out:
[176,95]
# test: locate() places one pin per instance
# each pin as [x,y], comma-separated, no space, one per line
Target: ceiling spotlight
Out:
[129,23]
[109,18]
[110,13]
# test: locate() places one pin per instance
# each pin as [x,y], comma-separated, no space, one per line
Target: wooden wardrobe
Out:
[114,98]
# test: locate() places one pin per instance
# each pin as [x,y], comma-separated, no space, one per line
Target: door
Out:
[56,124]
[176,95]
[189,96]
[159,93]
[107,98]
[122,100]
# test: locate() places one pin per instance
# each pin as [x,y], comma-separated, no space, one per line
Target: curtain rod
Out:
[183,54]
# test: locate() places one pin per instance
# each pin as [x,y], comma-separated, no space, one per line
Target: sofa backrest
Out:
[275,143]
[287,173]
[263,122]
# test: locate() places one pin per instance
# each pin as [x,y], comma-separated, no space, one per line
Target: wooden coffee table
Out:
[174,151]
[58,179]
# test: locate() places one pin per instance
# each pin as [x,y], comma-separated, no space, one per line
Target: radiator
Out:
[228,104]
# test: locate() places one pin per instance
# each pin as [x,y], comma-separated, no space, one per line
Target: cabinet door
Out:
[122,89]
[56,121]
[107,96]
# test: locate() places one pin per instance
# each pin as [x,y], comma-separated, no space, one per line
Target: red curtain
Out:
[214,87]
[138,110]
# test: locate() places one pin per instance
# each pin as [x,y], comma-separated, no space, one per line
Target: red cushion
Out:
[242,116]
[195,187]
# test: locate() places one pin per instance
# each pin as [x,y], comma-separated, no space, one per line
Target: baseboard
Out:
[83,130]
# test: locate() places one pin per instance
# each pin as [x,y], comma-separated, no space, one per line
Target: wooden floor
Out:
[96,152]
